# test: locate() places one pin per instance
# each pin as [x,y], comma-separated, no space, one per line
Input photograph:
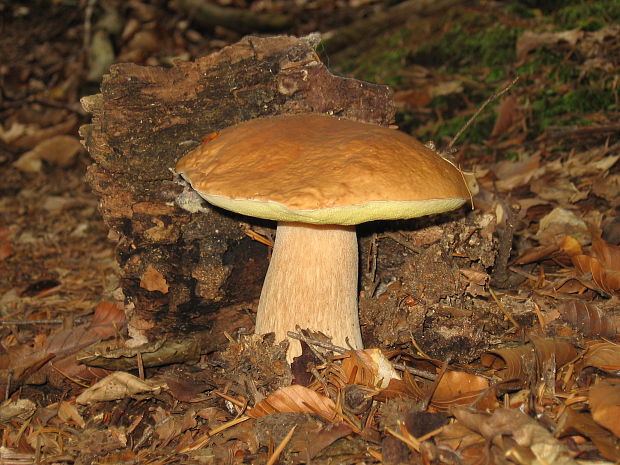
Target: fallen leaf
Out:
[506,116]
[531,40]
[68,412]
[115,386]
[526,432]
[560,222]
[511,175]
[588,318]
[368,367]
[520,364]
[604,400]
[573,422]
[604,356]
[294,399]
[59,150]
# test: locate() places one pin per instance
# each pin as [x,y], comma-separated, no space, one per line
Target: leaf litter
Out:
[522,372]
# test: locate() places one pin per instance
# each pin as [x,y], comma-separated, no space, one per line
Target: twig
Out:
[431,391]
[486,103]
[504,309]
[49,321]
[281,446]
[342,351]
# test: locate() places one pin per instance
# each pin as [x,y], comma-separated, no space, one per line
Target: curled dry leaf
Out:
[369,367]
[572,422]
[294,399]
[460,388]
[535,440]
[604,356]
[603,265]
[604,399]
[116,386]
[588,318]
[68,412]
[521,363]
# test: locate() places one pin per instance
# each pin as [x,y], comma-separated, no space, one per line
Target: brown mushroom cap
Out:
[323,170]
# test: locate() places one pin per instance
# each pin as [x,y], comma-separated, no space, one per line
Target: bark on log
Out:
[187,272]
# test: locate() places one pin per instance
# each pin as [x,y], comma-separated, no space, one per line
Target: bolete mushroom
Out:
[318,176]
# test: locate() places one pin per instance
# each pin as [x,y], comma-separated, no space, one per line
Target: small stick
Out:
[342,351]
[281,446]
[486,103]
[504,309]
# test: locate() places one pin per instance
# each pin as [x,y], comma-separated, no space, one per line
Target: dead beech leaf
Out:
[116,386]
[68,412]
[456,383]
[368,367]
[531,40]
[521,363]
[535,254]
[153,280]
[604,356]
[587,318]
[607,281]
[294,399]
[313,442]
[506,116]
[604,400]
[533,439]
[460,388]
[511,175]
[603,265]
[570,246]
[12,409]
[572,422]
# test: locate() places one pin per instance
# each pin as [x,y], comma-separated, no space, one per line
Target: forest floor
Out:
[522,366]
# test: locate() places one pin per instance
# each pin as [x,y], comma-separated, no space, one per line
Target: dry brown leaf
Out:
[603,265]
[523,362]
[587,318]
[511,175]
[153,280]
[368,367]
[506,116]
[573,422]
[116,386]
[531,40]
[169,426]
[604,400]
[525,431]
[12,409]
[313,442]
[68,412]
[460,388]
[570,246]
[604,356]
[294,399]
[607,281]
[59,150]
[536,254]
[560,222]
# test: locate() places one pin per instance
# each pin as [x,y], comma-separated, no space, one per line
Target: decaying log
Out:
[184,272]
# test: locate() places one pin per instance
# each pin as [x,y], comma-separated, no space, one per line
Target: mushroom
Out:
[318,176]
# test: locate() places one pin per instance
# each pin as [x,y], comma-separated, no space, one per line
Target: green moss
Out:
[588,15]
[461,47]
[554,109]
[382,63]
[520,10]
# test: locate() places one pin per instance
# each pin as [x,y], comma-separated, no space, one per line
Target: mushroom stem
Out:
[312,283]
